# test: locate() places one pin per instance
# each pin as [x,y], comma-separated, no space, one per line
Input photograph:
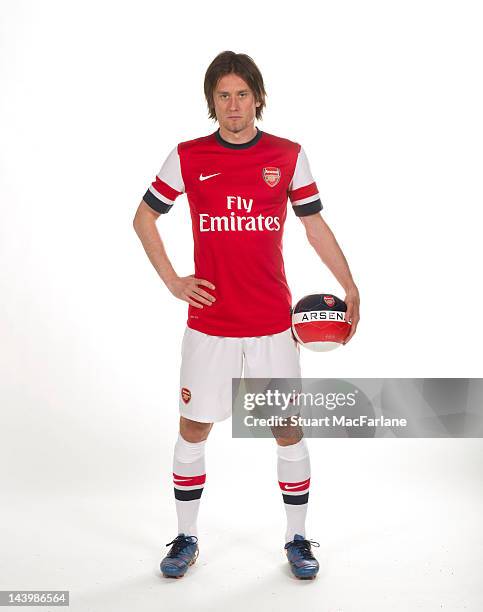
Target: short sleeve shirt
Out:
[238,197]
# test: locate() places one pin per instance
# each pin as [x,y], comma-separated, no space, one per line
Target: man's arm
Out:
[323,240]
[185,288]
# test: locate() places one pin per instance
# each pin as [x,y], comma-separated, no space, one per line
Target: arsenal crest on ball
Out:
[329,300]
[185,395]
[271,175]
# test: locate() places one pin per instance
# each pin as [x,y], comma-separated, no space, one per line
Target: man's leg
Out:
[189,478]
[208,364]
[293,470]
[294,481]
[189,472]
[277,356]
[207,367]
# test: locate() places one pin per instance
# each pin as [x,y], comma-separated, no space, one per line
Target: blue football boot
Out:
[183,553]
[302,562]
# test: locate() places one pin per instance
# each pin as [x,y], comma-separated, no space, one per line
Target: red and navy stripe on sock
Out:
[187,488]
[295,493]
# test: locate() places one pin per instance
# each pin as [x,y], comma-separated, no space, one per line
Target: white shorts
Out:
[210,362]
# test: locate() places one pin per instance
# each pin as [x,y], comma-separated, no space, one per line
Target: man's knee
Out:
[295,439]
[286,435]
[194,431]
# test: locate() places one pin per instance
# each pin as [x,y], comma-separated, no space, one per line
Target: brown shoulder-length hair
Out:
[229,62]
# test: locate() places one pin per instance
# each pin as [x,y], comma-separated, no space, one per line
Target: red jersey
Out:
[238,196]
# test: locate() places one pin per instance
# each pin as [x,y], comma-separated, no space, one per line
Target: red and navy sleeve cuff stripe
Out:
[303,192]
[310,208]
[157,205]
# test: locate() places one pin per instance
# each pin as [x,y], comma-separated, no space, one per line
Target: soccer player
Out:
[237,181]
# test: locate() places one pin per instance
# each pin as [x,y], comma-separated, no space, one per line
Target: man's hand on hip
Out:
[188,288]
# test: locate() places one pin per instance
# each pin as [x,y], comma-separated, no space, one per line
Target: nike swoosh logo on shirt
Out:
[204,178]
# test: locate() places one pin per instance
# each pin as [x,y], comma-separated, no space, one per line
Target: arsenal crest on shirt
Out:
[271,175]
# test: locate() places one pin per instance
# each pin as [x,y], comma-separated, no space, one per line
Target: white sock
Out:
[293,469]
[189,479]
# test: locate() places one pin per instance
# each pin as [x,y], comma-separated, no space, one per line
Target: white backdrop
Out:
[386,99]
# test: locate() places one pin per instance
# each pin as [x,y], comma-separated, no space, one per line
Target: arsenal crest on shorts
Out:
[186,395]
[271,176]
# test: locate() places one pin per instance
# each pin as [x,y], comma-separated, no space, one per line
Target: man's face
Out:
[235,105]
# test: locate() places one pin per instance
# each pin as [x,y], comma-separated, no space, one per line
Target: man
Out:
[237,180]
